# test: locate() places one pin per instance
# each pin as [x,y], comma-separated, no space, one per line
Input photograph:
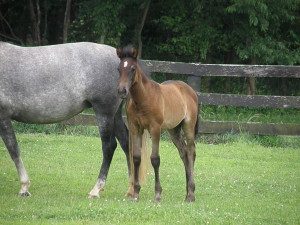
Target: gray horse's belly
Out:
[47,110]
[44,117]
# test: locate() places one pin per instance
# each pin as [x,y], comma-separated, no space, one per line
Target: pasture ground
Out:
[237,182]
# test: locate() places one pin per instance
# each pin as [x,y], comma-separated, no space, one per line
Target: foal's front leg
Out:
[155,159]
[136,155]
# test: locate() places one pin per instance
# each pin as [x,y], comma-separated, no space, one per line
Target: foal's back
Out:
[180,103]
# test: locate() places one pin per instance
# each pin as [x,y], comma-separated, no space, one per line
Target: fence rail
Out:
[214,127]
[195,71]
[249,100]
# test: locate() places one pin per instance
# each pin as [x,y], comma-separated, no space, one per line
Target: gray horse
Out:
[53,83]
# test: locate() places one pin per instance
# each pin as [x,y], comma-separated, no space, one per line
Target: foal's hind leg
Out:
[189,132]
[178,141]
[180,144]
[109,144]
[9,138]
[186,151]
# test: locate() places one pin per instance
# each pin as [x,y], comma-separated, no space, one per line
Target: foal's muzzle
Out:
[122,92]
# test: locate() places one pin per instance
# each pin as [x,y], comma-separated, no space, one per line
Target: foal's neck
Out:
[140,88]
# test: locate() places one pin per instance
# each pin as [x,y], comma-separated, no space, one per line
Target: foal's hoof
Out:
[130,192]
[190,198]
[24,194]
[134,198]
[129,195]
[157,198]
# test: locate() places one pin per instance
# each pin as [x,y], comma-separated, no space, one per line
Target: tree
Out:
[35,15]
[98,22]
[261,28]
[142,14]
[66,21]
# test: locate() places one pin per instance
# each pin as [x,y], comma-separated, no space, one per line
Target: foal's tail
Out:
[197,121]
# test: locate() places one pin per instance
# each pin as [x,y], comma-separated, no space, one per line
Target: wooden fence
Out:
[195,71]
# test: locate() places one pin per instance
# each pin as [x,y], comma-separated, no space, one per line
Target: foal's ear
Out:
[135,53]
[119,52]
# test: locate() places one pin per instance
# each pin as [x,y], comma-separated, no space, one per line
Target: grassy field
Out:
[245,114]
[237,182]
[214,113]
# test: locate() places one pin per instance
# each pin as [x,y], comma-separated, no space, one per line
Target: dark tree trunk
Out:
[284,86]
[227,80]
[137,39]
[193,81]
[35,16]
[251,82]
[44,37]
[12,35]
[251,86]
[67,21]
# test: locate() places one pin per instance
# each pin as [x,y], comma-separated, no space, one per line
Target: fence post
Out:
[194,82]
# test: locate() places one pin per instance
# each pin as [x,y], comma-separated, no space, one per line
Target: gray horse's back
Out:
[52,83]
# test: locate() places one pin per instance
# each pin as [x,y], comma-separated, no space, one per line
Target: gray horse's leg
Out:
[9,138]
[122,135]
[109,144]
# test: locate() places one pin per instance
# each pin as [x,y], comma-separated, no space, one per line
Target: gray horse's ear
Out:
[119,52]
[135,53]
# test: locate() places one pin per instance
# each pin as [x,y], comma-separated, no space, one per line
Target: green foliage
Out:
[217,31]
[98,21]
[269,35]
[241,182]
[237,31]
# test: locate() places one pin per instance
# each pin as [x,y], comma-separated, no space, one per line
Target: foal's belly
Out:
[172,121]
[173,113]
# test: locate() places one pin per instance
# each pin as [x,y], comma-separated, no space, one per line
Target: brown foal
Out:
[172,105]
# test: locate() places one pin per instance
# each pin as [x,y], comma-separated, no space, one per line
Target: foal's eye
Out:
[132,68]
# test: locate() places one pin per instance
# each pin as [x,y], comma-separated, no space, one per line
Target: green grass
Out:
[237,182]
[247,114]
[214,113]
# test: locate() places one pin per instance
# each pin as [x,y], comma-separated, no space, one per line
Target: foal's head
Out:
[127,69]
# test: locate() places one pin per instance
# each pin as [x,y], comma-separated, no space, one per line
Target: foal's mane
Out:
[128,51]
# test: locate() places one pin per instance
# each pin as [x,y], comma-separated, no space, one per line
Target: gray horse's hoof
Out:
[93,196]
[24,194]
